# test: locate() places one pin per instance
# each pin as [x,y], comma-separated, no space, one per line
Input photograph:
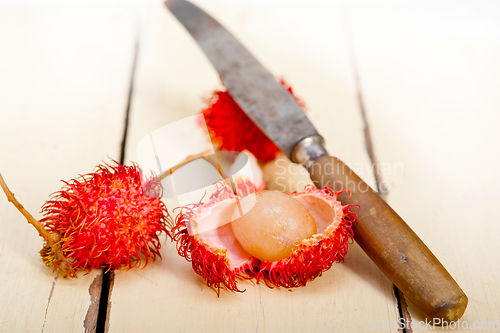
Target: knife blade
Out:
[380,231]
[248,82]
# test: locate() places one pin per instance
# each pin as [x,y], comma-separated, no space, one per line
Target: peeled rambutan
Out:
[282,240]
[108,218]
[233,130]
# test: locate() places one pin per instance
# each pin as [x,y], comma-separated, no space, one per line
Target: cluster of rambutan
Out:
[110,219]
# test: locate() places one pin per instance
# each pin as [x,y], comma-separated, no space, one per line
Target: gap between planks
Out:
[403,312]
[101,288]
[95,290]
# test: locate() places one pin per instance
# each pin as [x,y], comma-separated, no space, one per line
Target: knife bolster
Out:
[307,150]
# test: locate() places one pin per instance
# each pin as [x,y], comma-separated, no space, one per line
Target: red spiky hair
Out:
[105,219]
[232,130]
[313,257]
[208,262]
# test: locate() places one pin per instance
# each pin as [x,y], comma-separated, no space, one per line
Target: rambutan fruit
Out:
[282,240]
[283,175]
[232,130]
[102,219]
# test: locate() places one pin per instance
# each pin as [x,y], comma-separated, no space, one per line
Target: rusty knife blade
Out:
[259,94]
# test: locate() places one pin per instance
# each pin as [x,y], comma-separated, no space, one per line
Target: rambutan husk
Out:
[102,219]
[232,130]
[210,262]
[308,261]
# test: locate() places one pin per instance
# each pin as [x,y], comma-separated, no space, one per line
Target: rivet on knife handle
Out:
[380,232]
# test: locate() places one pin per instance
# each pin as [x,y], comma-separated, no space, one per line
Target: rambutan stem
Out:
[210,159]
[204,155]
[31,220]
[51,238]
[188,159]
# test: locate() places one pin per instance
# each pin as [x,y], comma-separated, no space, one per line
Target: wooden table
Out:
[419,84]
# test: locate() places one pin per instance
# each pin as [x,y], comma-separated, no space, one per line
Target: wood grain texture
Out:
[430,79]
[64,78]
[173,75]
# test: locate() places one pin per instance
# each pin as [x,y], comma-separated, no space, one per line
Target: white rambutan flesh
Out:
[274,227]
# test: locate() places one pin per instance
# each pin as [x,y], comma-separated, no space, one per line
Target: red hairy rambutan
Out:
[283,240]
[233,130]
[102,219]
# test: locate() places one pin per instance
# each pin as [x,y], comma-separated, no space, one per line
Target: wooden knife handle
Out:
[392,244]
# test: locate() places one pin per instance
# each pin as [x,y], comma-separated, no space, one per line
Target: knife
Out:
[379,230]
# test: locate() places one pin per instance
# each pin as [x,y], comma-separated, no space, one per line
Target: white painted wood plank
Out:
[307,46]
[430,78]
[64,76]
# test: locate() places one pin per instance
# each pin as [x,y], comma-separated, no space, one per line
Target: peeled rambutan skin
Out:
[215,253]
[105,219]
